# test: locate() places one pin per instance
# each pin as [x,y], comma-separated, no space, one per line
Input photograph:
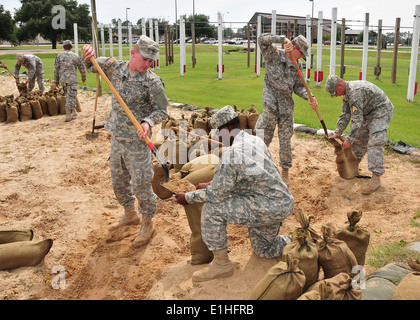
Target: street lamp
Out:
[126,19]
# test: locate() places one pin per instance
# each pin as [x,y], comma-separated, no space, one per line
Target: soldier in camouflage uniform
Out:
[65,73]
[371,111]
[247,190]
[131,160]
[35,70]
[280,82]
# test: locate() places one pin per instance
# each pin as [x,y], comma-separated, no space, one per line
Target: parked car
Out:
[235,41]
[210,41]
[327,42]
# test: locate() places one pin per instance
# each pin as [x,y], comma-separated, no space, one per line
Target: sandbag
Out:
[44,106]
[12,112]
[158,178]
[78,106]
[8,235]
[355,237]
[36,109]
[306,251]
[23,253]
[409,287]
[25,111]
[243,119]
[347,165]
[342,287]
[52,106]
[334,256]
[325,292]
[61,104]
[199,163]
[304,221]
[3,113]
[22,88]
[201,123]
[284,281]
[252,118]
[205,174]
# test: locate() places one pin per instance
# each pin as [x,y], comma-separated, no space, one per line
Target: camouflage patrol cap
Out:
[301,42]
[223,116]
[67,43]
[148,48]
[19,57]
[331,84]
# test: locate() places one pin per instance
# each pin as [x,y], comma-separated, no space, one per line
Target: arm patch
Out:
[109,62]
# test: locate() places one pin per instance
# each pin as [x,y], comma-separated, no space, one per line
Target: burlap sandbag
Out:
[342,287]
[325,292]
[158,178]
[52,106]
[199,163]
[8,235]
[243,119]
[36,109]
[12,112]
[334,256]
[61,104]
[44,106]
[23,253]
[3,113]
[25,111]
[347,165]
[355,237]
[78,106]
[284,281]
[409,287]
[306,251]
[201,123]
[304,221]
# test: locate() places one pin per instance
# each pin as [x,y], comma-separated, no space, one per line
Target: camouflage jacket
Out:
[31,63]
[247,171]
[143,93]
[65,68]
[281,78]
[363,101]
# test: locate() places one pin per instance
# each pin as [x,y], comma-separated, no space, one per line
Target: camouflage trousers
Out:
[39,77]
[131,165]
[372,139]
[70,90]
[263,228]
[267,121]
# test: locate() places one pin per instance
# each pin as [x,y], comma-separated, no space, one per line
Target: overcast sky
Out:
[240,11]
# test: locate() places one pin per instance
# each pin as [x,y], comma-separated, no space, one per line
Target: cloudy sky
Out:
[239,11]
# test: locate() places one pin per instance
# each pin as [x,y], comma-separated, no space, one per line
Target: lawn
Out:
[240,86]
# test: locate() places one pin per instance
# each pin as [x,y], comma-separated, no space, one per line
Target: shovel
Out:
[132,118]
[334,142]
[2,65]
[93,136]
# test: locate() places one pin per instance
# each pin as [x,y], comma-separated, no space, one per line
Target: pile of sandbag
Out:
[33,105]
[247,119]
[336,252]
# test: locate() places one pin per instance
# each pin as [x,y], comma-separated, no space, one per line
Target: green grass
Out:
[201,87]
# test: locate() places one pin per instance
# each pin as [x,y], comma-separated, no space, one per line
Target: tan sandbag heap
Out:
[33,105]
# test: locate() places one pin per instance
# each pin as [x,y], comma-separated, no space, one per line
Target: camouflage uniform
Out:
[65,73]
[371,112]
[280,81]
[131,160]
[35,70]
[247,190]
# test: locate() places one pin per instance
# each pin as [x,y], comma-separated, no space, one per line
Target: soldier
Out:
[65,73]
[35,70]
[247,190]
[280,81]
[131,161]
[371,111]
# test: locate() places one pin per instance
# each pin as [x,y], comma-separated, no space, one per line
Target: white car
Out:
[210,41]
[236,41]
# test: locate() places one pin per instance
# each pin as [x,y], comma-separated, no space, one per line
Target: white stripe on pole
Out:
[150,28]
[309,38]
[103,39]
[143,26]
[76,41]
[220,44]
[414,56]
[258,53]
[120,39]
[130,37]
[365,47]
[319,47]
[333,41]
[111,49]
[182,53]
[273,21]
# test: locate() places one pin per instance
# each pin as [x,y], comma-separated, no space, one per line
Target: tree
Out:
[7,26]
[202,26]
[37,17]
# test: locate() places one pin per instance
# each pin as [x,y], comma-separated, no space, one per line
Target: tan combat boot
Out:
[373,185]
[130,217]
[145,234]
[285,175]
[220,267]
[73,113]
[68,116]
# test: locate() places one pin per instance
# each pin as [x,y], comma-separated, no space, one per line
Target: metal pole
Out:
[333,51]
[309,37]
[396,42]
[343,41]
[319,48]
[273,21]
[378,53]
[258,51]
[220,44]
[365,47]
[414,56]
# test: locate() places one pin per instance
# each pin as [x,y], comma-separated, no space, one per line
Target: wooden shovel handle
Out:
[196,135]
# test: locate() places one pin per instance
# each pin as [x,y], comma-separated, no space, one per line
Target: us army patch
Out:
[109,62]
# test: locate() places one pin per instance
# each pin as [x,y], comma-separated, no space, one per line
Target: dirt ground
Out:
[57,183]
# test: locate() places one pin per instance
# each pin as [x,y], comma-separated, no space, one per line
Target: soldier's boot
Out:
[130,217]
[220,267]
[73,113]
[146,232]
[285,175]
[373,185]
[68,116]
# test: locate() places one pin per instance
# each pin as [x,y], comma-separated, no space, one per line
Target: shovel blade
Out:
[91,136]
